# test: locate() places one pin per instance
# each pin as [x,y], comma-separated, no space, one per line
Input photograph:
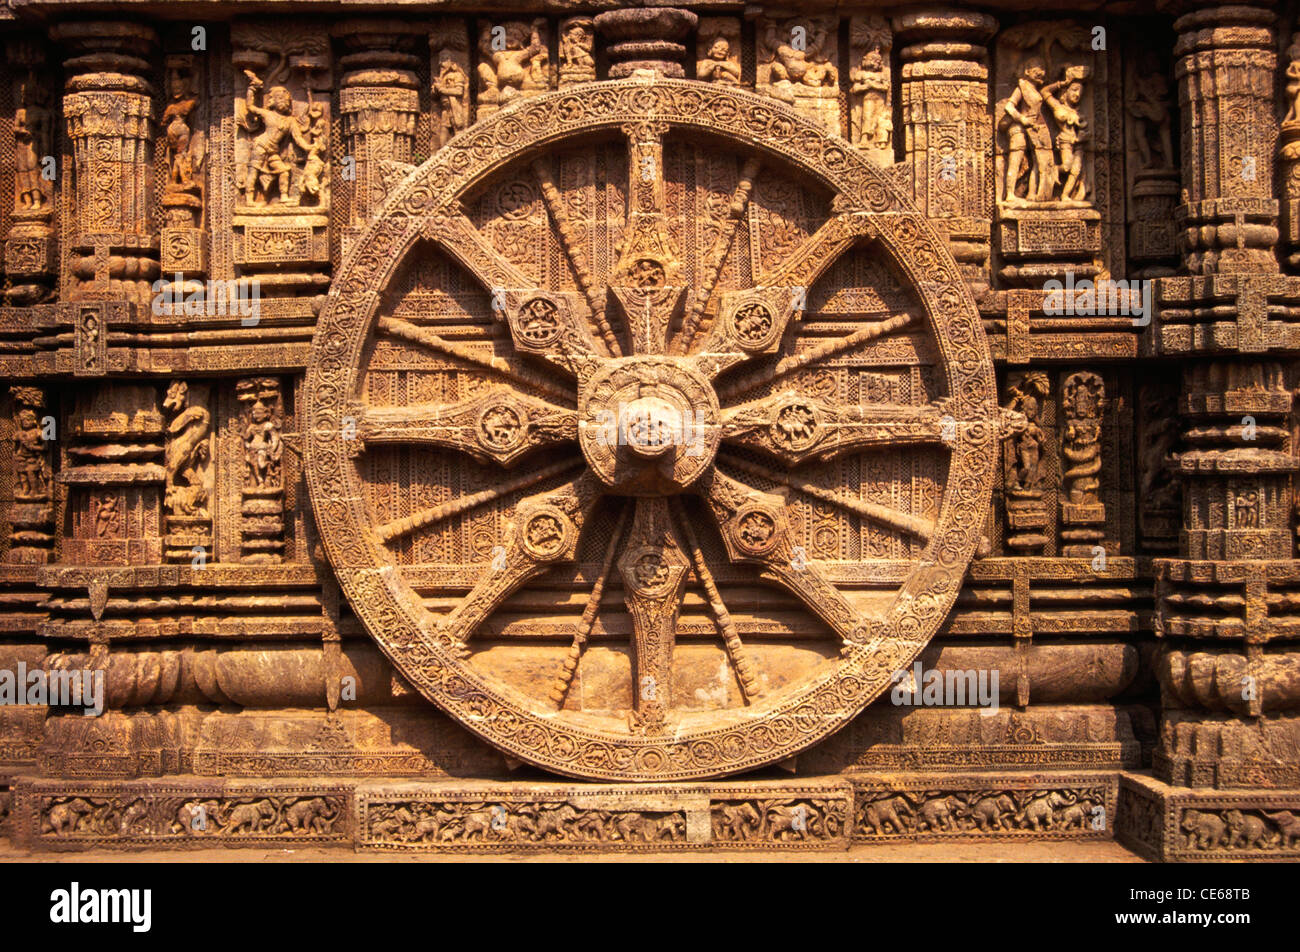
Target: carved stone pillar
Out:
[946,134]
[30,245]
[1226,80]
[380,104]
[108,106]
[648,38]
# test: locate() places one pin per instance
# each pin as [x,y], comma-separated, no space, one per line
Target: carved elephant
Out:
[313,815]
[197,816]
[736,822]
[671,828]
[1247,831]
[1288,825]
[880,814]
[1076,814]
[250,817]
[1205,831]
[556,821]
[393,823]
[64,817]
[935,813]
[135,810]
[993,812]
[792,821]
[1040,811]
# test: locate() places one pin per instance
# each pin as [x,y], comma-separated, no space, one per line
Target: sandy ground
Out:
[991,852]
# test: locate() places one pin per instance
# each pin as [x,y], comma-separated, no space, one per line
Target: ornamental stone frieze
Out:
[650,429]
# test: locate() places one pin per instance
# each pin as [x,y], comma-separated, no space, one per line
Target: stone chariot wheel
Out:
[651,430]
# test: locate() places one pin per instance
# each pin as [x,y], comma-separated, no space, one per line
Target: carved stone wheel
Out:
[651,430]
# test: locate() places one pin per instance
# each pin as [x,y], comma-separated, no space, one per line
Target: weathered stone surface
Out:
[513,427]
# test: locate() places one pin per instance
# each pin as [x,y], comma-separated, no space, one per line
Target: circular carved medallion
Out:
[729,527]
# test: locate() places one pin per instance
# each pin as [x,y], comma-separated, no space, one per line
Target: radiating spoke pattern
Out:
[633,383]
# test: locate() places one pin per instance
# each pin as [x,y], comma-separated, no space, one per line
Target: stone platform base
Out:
[1180,824]
[817,813]
[453,815]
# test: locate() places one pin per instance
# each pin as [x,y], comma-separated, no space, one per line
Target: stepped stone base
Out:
[1179,824]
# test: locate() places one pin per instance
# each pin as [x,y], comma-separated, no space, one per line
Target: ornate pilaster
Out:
[1226,72]
[947,140]
[108,106]
[29,253]
[380,103]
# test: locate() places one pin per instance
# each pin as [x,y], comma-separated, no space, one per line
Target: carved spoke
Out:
[545,531]
[498,426]
[499,365]
[796,429]
[572,241]
[427,517]
[654,568]
[753,323]
[560,687]
[756,530]
[717,255]
[648,278]
[883,515]
[740,662]
[831,348]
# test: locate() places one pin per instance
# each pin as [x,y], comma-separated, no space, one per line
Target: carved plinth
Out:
[1039,244]
[1173,824]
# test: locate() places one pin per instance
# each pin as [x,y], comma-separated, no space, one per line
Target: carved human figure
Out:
[810,66]
[452,87]
[577,40]
[178,139]
[1293,91]
[1070,133]
[107,518]
[1082,400]
[268,173]
[1026,128]
[31,473]
[31,144]
[1150,121]
[871,85]
[506,72]
[717,66]
[263,446]
[1027,445]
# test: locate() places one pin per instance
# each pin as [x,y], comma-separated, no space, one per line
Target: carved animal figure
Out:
[250,817]
[1076,814]
[309,816]
[64,817]
[882,816]
[1247,831]
[935,813]
[196,817]
[792,821]
[134,811]
[1288,825]
[556,821]
[736,822]
[388,825]
[994,812]
[1040,811]
[1205,831]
